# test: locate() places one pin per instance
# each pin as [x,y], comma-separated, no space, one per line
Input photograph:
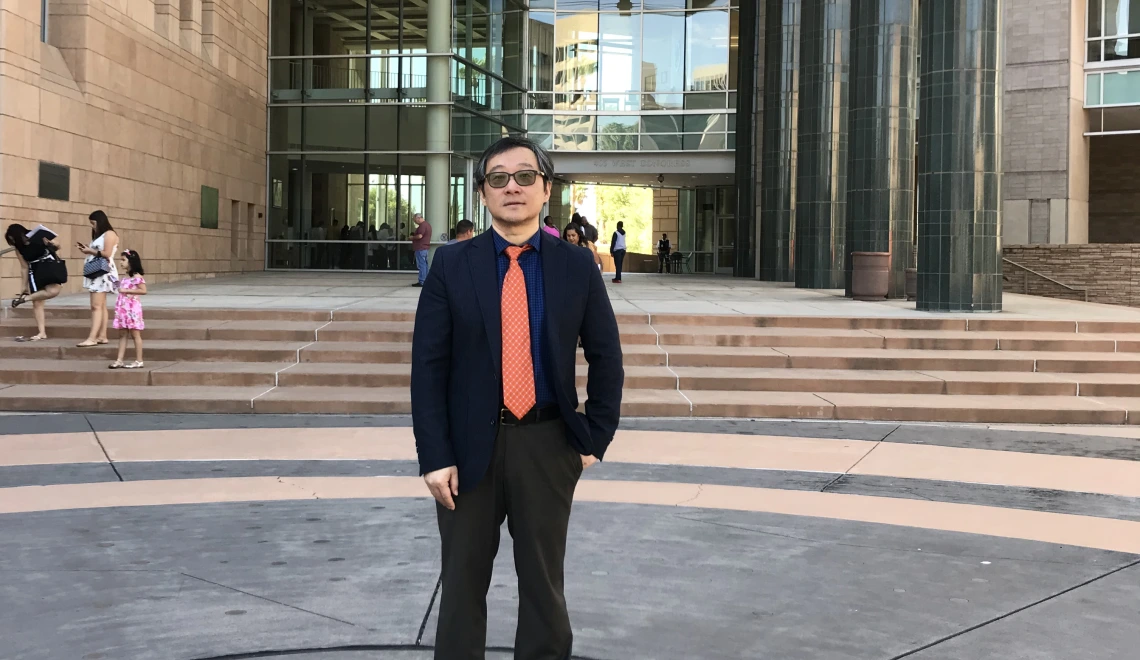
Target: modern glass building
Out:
[780,136]
[354,128]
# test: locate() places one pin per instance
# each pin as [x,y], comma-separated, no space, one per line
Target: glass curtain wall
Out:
[348,131]
[633,75]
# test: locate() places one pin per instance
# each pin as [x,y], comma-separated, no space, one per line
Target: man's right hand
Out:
[444,485]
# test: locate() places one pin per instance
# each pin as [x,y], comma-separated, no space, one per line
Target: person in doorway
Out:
[421,241]
[44,273]
[100,274]
[464,231]
[494,403]
[548,227]
[664,247]
[576,235]
[617,249]
[589,231]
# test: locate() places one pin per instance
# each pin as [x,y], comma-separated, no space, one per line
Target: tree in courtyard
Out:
[634,207]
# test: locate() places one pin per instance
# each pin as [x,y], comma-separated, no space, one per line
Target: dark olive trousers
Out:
[530,483]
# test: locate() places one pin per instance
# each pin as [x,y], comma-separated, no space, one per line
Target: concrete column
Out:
[881,126]
[438,176]
[778,154]
[959,156]
[821,171]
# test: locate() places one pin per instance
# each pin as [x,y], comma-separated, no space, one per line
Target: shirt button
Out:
[493,421]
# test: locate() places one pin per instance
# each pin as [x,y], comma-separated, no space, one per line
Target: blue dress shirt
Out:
[531,263]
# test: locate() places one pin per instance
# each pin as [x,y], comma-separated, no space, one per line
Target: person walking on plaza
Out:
[494,404]
[664,247]
[128,308]
[421,241]
[99,274]
[44,272]
[617,249]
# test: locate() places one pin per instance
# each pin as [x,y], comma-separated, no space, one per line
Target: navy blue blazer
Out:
[457,354]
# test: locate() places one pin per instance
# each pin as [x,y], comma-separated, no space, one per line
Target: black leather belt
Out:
[535,416]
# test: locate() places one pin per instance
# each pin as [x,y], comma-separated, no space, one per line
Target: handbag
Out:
[97,267]
[49,271]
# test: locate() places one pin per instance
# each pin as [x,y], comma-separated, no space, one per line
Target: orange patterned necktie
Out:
[518,366]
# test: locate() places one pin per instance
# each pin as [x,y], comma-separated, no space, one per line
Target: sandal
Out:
[134,365]
[20,300]
[30,339]
[117,364]
[87,344]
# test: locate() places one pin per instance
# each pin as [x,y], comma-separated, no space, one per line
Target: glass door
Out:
[725,254]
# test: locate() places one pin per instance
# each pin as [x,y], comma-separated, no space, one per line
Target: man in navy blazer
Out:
[495,407]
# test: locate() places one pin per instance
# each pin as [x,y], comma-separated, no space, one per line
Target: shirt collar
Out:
[501,243]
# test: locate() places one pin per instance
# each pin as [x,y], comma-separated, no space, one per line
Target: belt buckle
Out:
[504,420]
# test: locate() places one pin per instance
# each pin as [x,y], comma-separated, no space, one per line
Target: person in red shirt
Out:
[421,240]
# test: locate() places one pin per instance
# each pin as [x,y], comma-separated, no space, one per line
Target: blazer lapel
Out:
[485,277]
[554,281]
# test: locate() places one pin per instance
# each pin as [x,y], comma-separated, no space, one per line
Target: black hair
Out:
[547,221]
[621,226]
[16,232]
[134,261]
[576,218]
[102,224]
[577,229]
[545,164]
[464,226]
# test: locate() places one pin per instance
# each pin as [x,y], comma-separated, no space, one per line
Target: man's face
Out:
[515,204]
[418,219]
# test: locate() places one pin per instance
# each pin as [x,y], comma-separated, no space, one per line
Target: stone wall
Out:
[146,101]
[1109,273]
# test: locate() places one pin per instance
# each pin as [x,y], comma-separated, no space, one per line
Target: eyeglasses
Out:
[523,177]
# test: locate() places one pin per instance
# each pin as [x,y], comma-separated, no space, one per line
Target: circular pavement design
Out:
[319,543]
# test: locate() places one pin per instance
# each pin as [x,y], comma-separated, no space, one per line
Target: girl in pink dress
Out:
[128,308]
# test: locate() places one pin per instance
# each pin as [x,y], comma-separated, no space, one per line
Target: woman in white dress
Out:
[105,244]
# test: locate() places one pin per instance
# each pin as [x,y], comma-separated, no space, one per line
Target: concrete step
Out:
[380,375]
[636,403]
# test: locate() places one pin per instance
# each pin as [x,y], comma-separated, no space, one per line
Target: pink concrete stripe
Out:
[1102,533]
[50,449]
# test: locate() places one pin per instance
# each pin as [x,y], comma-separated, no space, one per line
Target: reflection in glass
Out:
[661,142]
[285,128]
[617,133]
[1121,17]
[576,53]
[663,62]
[541,39]
[620,45]
[706,51]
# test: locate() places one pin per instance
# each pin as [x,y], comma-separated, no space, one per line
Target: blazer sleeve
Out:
[601,343]
[431,370]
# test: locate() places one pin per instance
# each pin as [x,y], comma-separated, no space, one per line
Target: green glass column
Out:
[778,155]
[881,132]
[821,170]
[959,156]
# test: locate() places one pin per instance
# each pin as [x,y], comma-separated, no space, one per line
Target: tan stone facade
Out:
[1108,273]
[145,101]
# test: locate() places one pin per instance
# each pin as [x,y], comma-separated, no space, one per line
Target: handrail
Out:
[1084,292]
[7,250]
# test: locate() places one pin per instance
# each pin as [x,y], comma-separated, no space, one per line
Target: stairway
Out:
[992,370]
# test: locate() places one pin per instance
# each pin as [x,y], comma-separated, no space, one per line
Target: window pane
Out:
[285,129]
[541,51]
[1121,17]
[618,124]
[706,101]
[286,25]
[704,123]
[1094,18]
[620,5]
[539,123]
[284,208]
[1092,89]
[578,5]
[710,141]
[662,123]
[580,124]
[663,63]
[706,50]
[620,45]
[1094,51]
[339,32]
[661,142]
[664,4]
[576,53]
[1122,49]
[334,128]
[1123,87]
